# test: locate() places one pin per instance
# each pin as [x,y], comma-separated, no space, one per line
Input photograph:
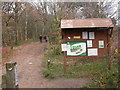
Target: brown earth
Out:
[29,59]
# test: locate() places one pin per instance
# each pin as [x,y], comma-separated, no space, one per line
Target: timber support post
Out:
[65,63]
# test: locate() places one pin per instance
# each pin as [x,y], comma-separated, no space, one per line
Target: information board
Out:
[76,48]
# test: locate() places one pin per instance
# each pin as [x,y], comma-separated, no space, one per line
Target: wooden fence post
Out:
[11,75]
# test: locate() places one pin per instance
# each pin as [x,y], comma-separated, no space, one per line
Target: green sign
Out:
[76,48]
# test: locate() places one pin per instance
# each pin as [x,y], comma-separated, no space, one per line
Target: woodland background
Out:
[22,21]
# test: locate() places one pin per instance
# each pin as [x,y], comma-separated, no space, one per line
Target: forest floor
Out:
[29,58]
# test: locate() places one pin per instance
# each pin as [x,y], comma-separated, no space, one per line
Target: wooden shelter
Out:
[86,37]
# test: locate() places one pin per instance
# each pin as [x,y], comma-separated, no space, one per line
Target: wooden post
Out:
[64,63]
[110,53]
[119,54]
[11,75]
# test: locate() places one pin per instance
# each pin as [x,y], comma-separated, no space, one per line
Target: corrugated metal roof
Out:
[87,23]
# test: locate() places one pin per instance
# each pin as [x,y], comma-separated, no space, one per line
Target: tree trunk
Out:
[36,30]
[26,22]
[16,20]
[43,28]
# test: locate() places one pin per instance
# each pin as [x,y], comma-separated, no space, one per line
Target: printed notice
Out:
[89,43]
[101,44]
[93,52]
[64,47]
[84,35]
[91,35]
[76,48]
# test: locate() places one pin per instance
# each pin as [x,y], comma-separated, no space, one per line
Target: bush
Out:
[54,39]
[55,50]
[17,42]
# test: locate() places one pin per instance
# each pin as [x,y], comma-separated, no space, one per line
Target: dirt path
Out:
[29,61]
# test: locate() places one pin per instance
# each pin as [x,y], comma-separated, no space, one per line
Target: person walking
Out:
[45,38]
[40,38]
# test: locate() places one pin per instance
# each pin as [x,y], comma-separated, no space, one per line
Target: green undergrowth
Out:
[106,78]
[96,69]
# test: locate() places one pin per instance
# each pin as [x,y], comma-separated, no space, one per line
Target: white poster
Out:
[93,52]
[89,43]
[101,44]
[64,47]
[91,35]
[84,35]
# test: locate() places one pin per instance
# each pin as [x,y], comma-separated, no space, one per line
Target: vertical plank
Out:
[64,63]
[64,41]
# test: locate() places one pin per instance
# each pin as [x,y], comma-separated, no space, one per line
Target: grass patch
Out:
[54,71]
[80,69]
[106,78]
